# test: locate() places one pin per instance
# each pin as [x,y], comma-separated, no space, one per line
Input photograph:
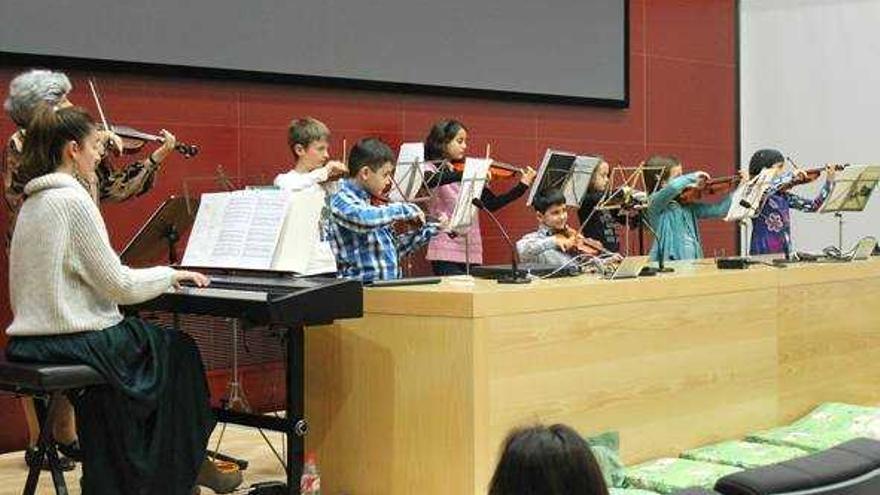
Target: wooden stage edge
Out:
[417,396]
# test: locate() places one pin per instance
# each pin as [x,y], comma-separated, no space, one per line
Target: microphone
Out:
[661,264]
[517,277]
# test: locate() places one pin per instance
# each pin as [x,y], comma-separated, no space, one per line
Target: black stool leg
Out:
[46,447]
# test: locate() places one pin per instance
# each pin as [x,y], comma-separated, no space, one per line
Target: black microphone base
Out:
[515,277]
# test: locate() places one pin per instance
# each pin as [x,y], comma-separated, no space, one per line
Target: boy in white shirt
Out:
[313,173]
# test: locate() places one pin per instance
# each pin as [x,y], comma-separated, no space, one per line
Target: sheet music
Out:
[301,232]
[748,199]
[408,172]
[472,183]
[852,189]
[237,229]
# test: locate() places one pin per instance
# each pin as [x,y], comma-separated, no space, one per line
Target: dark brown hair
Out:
[46,136]
[368,152]
[547,460]
[440,135]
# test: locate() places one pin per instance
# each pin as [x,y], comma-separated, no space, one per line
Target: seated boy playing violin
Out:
[672,218]
[361,234]
[554,242]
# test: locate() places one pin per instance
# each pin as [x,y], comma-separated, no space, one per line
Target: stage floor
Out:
[240,442]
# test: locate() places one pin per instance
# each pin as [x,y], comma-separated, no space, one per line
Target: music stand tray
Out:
[472,183]
[850,192]
[852,189]
[161,232]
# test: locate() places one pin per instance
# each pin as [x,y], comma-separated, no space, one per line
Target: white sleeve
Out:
[101,267]
[293,181]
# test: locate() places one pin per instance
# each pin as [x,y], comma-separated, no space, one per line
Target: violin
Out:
[498,170]
[133,140]
[582,244]
[400,226]
[708,187]
[809,175]
[381,199]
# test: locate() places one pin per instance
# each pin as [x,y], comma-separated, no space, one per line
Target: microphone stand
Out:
[661,268]
[516,276]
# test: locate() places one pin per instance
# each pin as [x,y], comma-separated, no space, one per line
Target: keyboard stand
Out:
[293,424]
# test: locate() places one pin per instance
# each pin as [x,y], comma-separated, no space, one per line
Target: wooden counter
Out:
[417,396]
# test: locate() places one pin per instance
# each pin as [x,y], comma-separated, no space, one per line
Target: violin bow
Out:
[98,104]
[793,164]
[223,179]
[187,199]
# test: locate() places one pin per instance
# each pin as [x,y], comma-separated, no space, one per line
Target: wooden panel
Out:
[391,404]
[828,336]
[672,363]
[625,366]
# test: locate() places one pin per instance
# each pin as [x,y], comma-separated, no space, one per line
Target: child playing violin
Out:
[366,246]
[771,228]
[673,220]
[447,143]
[601,224]
[555,242]
[312,170]
[308,140]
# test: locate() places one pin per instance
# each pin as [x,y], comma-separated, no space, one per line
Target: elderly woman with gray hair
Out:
[36,86]
[27,92]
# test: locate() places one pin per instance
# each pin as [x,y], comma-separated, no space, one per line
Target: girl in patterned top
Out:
[771,228]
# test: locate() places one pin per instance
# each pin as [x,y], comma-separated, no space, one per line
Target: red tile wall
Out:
[682,101]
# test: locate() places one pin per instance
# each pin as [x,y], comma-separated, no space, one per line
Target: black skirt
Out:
[146,431]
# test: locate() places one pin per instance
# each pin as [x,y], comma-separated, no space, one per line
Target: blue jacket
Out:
[675,224]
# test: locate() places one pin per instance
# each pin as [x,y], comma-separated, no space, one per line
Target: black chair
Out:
[46,383]
[695,491]
[851,468]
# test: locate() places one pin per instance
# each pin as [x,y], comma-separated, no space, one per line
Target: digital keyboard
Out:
[266,300]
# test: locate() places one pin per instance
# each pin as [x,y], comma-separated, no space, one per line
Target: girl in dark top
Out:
[601,225]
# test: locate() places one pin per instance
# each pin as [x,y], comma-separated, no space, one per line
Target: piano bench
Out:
[46,383]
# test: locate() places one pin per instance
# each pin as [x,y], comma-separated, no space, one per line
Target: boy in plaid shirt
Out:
[365,245]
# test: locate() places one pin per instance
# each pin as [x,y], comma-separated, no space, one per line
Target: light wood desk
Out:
[417,396]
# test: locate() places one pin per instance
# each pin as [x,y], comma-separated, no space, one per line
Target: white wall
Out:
[810,86]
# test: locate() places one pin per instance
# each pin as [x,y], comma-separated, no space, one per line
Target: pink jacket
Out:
[445,248]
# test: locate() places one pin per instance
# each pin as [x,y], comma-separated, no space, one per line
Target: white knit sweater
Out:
[64,276]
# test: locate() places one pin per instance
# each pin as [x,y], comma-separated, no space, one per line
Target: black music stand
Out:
[850,193]
[161,232]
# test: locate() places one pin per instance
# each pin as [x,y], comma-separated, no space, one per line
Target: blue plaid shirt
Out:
[361,236]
